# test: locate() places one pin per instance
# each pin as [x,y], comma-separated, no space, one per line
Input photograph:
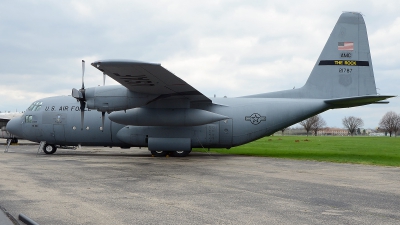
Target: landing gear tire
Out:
[49,149]
[159,153]
[14,141]
[180,153]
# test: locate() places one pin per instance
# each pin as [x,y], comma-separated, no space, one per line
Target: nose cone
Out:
[14,126]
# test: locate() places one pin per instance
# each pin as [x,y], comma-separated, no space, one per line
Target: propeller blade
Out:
[102,120]
[104,79]
[83,73]
[83,105]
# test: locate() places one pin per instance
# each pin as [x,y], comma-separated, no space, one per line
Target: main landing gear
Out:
[49,149]
[170,153]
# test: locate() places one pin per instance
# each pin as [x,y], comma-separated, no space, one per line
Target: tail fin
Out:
[343,72]
[344,68]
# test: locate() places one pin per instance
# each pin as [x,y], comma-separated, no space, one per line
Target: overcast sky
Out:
[226,48]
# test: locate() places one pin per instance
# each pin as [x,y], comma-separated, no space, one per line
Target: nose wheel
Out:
[49,149]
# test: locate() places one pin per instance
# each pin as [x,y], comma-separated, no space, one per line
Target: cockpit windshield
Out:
[35,106]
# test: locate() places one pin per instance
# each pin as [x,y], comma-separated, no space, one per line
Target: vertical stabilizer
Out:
[344,68]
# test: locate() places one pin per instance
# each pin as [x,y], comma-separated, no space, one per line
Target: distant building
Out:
[376,134]
[323,132]
[329,131]
[332,131]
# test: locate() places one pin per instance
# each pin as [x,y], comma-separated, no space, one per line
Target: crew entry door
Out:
[59,132]
[59,127]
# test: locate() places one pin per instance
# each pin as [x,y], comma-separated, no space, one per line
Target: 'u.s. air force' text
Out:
[64,108]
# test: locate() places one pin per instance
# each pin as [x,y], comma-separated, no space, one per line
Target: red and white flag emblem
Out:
[346,46]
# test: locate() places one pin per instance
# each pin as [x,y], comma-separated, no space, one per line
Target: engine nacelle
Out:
[115,98]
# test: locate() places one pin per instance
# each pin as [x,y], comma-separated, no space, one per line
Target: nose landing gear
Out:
[49,149]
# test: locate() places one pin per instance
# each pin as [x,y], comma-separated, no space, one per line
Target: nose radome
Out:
[14,126]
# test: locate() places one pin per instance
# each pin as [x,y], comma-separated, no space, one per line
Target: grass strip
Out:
[384,151]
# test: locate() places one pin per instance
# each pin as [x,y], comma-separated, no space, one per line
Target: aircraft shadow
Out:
[131,155]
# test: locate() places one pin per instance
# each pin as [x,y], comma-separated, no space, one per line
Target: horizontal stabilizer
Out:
[381,102]
[357,101]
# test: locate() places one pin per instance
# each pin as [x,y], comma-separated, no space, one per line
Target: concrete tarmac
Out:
[128,186]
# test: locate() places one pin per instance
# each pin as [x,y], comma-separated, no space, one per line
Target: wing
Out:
[149,78]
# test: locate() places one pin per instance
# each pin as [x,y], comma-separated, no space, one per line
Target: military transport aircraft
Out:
[154,108]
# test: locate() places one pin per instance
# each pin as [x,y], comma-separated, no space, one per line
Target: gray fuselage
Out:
[58,122]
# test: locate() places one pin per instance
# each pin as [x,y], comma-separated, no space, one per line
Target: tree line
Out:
[390,124]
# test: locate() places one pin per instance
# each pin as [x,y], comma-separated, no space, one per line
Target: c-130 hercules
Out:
[154,108]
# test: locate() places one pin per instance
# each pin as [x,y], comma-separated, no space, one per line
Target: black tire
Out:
[159,153]
[49,149]
[180,153]
[14,140]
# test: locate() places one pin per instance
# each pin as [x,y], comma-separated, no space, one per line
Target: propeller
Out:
[80,95]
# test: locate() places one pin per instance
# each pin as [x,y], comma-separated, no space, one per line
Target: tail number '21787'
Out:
[345,70]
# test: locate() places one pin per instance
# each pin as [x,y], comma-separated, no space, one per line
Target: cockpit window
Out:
[28,119]
[35,106]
